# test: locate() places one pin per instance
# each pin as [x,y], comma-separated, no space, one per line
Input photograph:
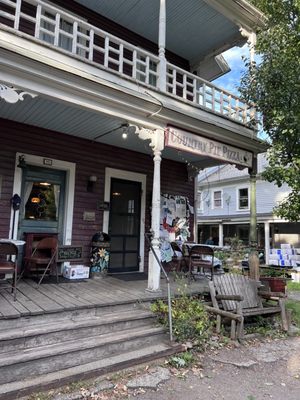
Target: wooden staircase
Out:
[49,350]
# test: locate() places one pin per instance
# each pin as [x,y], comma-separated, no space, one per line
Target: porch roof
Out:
[191,24]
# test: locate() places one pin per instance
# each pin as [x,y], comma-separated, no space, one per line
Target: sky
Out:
[231,80]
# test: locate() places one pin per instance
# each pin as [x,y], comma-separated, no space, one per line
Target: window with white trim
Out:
[243,198]
[217,199]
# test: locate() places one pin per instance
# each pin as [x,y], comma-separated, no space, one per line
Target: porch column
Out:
[154,269]
[162,69]
[267,241]
[253,256]
[156,138]
[221,234]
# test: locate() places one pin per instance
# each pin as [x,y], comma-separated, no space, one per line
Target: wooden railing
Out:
[75,36]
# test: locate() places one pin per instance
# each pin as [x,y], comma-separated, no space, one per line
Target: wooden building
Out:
[104,104]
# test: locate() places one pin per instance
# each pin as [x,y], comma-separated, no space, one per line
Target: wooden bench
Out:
[237,297]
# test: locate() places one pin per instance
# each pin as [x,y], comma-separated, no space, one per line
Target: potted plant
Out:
[274,279]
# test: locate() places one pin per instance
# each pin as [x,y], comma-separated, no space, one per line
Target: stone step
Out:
[35,335]
[18,388]
[16,365]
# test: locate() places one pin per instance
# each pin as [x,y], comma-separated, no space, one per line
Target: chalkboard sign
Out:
[69,253]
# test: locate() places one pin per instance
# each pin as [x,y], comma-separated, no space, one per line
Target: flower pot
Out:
[275,284]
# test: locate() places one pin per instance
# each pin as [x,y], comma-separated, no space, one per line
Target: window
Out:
[217,199]
[243,199]
[41,201]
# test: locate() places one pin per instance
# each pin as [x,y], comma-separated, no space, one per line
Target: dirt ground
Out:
[256,370]
[259,371]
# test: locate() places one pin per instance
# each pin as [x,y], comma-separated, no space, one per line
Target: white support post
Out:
[267,242]
[162,69]
[154,269]
[221,234]
[157,143]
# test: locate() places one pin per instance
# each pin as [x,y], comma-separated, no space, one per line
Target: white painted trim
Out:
[237,189]
[129,176]
[69,168]
[212,199]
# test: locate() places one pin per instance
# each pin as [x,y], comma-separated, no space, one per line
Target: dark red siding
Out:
[91,159]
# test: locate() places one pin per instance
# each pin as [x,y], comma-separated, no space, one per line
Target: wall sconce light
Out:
[22,163]
[90,184]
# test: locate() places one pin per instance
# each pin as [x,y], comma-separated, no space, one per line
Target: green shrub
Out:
[182,360]
[190,320]
[294,306]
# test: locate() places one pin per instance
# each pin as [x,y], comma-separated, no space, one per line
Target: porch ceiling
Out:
[191,24]
[59,117]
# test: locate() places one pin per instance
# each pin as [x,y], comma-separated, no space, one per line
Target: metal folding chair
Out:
[43,257]
[9,265]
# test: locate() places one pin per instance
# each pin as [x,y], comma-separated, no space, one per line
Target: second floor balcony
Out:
[75,36]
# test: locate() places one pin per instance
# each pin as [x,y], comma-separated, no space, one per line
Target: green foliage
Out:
[273,272]
[182,360]
[293,286]
[294,306]
[232,257]
[265,327]
[190,320]
[273,85]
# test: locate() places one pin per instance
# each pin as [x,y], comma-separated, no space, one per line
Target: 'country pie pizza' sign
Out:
[191,143]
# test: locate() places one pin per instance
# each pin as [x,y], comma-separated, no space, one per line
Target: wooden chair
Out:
[43,258]
[8,251]
[237,297]
[201,258]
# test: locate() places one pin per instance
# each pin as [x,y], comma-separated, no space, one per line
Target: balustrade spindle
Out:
[91,45]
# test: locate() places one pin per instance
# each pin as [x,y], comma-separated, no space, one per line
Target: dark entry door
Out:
[42,201]
[124,225]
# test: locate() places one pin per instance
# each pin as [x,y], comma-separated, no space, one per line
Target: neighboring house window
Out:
[243,199]
[217,199]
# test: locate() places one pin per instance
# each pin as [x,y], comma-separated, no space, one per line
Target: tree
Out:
[273,85]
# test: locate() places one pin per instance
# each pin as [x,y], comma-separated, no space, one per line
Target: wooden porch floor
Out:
[50,298]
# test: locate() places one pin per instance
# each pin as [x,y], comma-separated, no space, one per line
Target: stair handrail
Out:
[147,236]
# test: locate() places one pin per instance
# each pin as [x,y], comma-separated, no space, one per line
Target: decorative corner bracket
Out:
[156,137]
[11,95]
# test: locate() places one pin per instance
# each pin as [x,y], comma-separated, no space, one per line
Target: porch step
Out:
[38,334]
[44,359]
[80,312]
[19,388]
[42,351]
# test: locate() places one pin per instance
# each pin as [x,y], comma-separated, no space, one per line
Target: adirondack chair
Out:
[237,297]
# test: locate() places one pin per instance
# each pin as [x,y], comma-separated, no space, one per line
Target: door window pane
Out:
[41,201]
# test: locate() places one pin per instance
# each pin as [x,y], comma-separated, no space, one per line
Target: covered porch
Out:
[50,298]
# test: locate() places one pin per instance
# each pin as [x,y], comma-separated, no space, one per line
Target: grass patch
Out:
[293,286]
[294,306]
[265,326]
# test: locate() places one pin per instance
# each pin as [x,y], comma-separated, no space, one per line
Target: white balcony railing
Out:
[75,36]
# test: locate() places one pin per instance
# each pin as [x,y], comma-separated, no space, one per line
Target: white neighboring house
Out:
[224,208]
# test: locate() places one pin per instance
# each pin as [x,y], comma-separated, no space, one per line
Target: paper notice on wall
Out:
[180,206]
[169,219]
